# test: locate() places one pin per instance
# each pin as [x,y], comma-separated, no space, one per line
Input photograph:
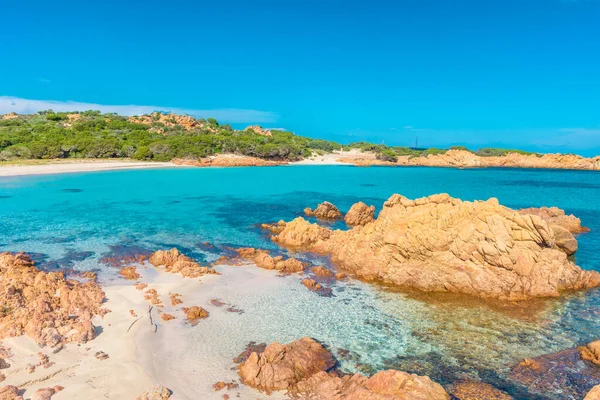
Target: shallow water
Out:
[73,220]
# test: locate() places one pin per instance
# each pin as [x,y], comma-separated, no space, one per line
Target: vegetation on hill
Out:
[163,137]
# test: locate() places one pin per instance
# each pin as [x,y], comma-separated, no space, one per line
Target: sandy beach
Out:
[61,167]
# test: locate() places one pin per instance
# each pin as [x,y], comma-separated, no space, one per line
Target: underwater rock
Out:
[176,263]
[195,313]
[564,372]
[306,370]
[325,210]
[468,390]
[360,214]
[442,244]
[45,306]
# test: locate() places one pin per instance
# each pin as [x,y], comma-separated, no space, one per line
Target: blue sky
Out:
[510,73]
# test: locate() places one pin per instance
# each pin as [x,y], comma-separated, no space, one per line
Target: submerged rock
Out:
[360,214]
[45,306]
[176,263]
[325,210]
[442,244]
[306,370]
[565,372]
[468,390]
[195,313]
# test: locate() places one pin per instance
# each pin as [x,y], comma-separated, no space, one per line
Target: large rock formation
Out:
[442,244]
[306,370]
[44,305]
[176,263]
[325,210]
[360,214]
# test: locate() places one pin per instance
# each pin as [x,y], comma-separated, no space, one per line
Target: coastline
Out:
[52,167]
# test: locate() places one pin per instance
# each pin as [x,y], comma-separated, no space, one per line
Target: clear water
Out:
[73,220]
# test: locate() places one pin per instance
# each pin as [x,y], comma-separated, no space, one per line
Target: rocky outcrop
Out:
[593,394]
[259,130]
[176,263]
[591,352]
[442,244]
[556,216]
[325,210]
[467,159]
[306,370]
[169,120]
[360,214]
[129,273]
[229,160]
[45,306]
[156,393]
[262,259]
[11,115]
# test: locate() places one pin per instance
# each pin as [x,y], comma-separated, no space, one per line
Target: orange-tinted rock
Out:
[259,130]
[591,352]
[166,317]
[262,259]
[141,286]
[468,390]
[45,306]
[11,115]
[593,394]
[556,216]
[281,367]
[311,284]
[325,210]
[170,120]
[442,244]
[156,393]
[9,392]
[360,214]
[175,299]
[132,312]
[46,393]
[225,385]
[195,313]
[306,370]
[321,271]
[176,263]
[130,273]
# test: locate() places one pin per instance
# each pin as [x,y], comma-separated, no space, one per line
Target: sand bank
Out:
[60,167]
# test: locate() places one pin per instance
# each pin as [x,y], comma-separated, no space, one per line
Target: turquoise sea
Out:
[72,221]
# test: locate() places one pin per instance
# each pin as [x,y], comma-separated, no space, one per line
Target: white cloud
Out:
[10,104]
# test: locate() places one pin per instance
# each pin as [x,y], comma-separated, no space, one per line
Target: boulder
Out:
[360,214]
[325,210]
[591,352]
[442,244]
[556,216]
[306,370]
[9,392]
[156,393]
[593,394]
